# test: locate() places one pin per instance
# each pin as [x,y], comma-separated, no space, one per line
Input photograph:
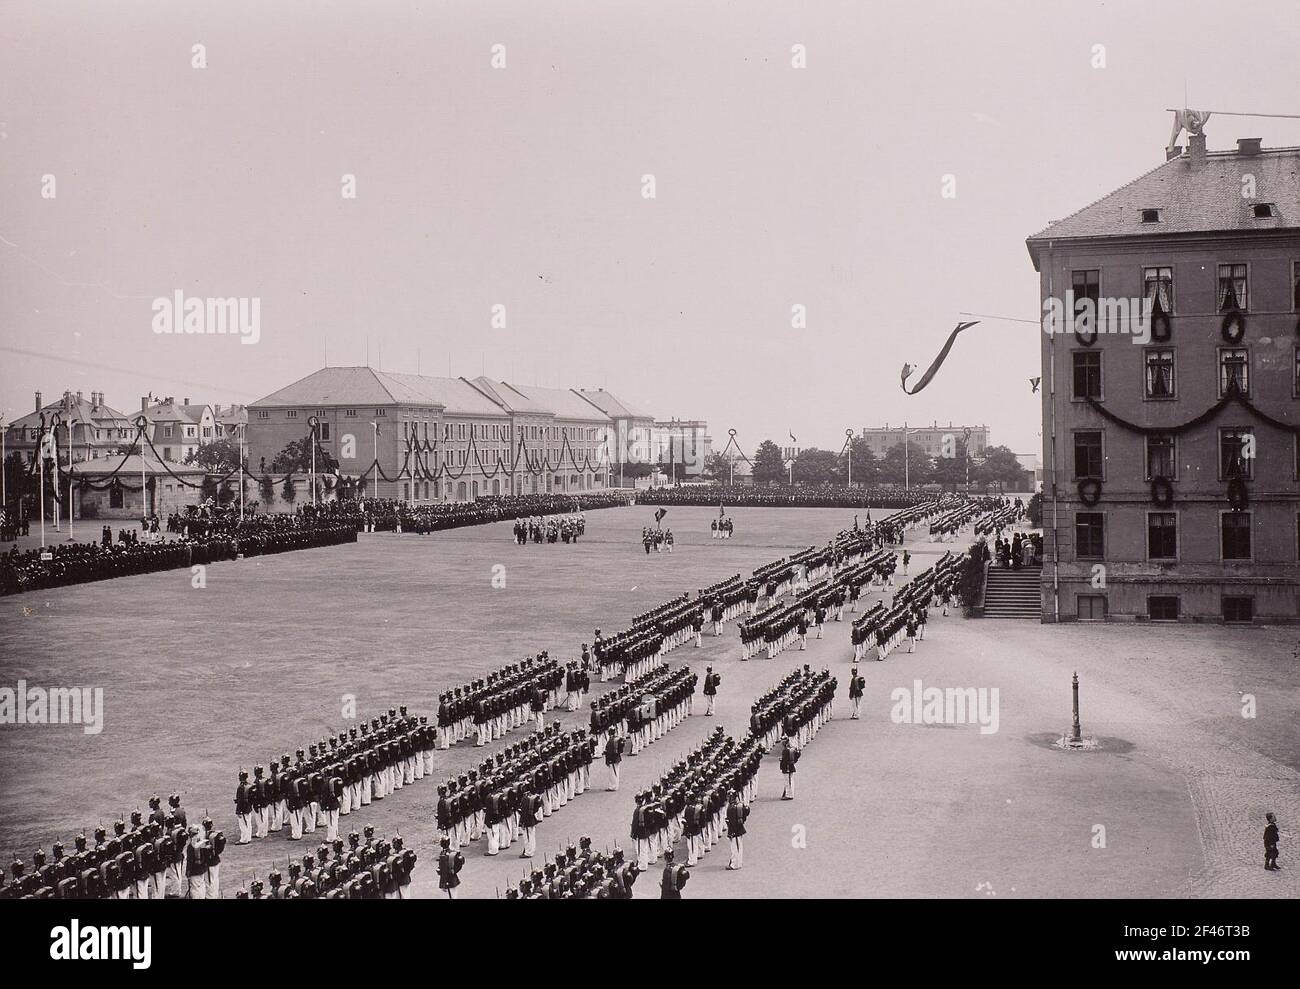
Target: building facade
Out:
[680,447]
[1171,442]
[931,439]
[437,439]
[97,429]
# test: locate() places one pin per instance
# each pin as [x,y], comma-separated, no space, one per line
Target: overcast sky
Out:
[522,187]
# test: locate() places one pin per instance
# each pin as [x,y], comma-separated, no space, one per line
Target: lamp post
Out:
[312,421]
[375,427]
[240,428]
[731,458]
[1076,735]
[71,537]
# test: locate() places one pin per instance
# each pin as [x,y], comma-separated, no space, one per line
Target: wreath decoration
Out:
[1238,496]
[1090,491]
[1162,492]
[1233,328]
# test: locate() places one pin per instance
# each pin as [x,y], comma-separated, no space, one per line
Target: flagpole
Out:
[71,536]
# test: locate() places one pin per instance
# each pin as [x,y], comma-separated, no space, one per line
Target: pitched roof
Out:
[79,411]
[131,468]
[456,395]
[611,406]
[332,386]
[509,398]
[563,402]
[1193,196]
[170,412]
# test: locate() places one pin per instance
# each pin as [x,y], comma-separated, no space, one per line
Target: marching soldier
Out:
[196,865]
[711,683]
[857,687]
[216,844]
[674,878]
[613,759]
[736,814]
[789,756]
[261,804]
[449,865]
[244,809]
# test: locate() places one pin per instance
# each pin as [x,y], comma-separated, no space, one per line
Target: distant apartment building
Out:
[930,439]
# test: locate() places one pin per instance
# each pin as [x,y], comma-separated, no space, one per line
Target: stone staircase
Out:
[1013,593]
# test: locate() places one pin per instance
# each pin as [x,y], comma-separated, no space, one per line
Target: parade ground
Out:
[1194,725]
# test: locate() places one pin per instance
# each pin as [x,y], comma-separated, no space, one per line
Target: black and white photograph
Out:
[702,450]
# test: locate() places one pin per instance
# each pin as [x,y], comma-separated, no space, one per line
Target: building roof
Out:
[510,399]
[77,410]
[611,406]
[366,386]
[131,467]
[361,386]
[563,402]
[455,395]
[1193,195]
[169,410]
[195,412]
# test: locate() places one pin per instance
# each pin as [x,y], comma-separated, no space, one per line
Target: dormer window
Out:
[1264,211]
[1151,216]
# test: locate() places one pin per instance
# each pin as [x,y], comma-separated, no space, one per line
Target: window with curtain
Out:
[1233,459]
[1234,368]
[1232,287]
[1160,457]
[1086,284]
[1159,373]
[1159,288]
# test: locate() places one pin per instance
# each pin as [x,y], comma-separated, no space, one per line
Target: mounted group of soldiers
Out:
[557,528]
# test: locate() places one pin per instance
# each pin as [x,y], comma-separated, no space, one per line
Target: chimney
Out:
[1248,147]
[79,398]
[38,401]
[186,402]
[144,403]
[1196,147]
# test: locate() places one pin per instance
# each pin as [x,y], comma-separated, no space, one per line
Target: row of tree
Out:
[997,466]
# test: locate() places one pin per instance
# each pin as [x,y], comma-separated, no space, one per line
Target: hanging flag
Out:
[721,511]
[1034,383]
[792,439]
[659,515]
[930,372]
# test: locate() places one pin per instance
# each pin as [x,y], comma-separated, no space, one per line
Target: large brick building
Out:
[1170,451]
[439,439]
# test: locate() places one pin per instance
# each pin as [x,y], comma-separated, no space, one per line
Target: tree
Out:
[288,492]
[266,489]
[769,468]
[716,467]
[1001,467]
[219,456]
[814,466]
[1035,509]
[866,468]
[207,488]
[951,471]
[296,456]
[918,468]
